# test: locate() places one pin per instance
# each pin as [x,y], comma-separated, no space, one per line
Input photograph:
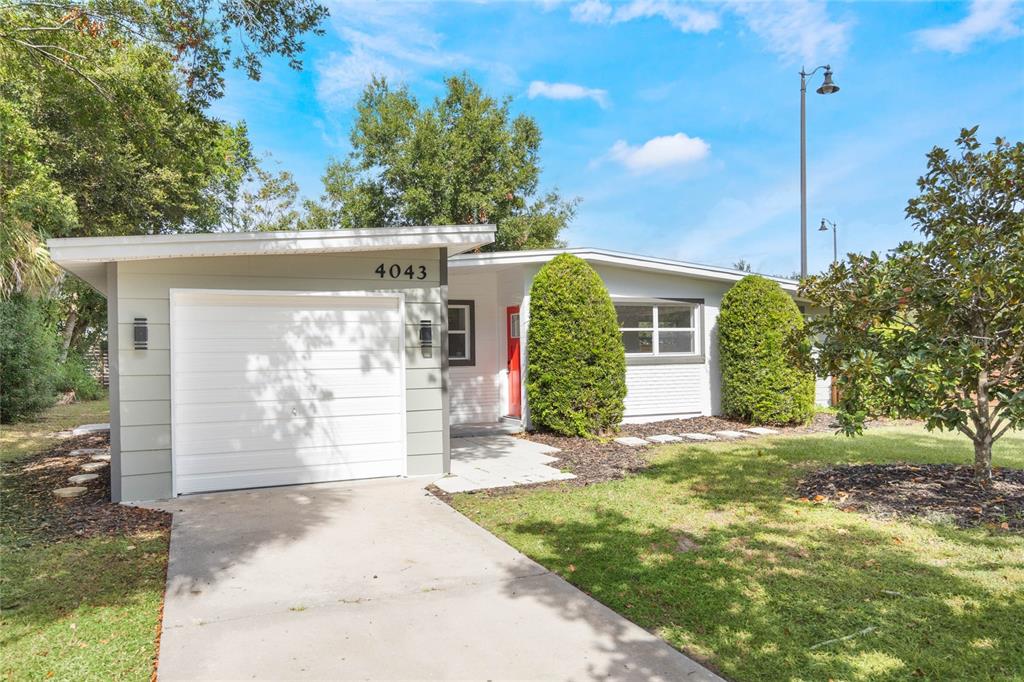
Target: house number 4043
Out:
[396,271]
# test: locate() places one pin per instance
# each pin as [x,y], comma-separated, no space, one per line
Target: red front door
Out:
[515,401]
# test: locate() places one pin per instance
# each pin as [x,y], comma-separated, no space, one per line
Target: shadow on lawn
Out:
[784,591]
[770,578]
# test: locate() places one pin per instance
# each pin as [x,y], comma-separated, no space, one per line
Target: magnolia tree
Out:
[936,329]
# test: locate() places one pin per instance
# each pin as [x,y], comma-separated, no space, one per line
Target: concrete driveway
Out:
[378,580]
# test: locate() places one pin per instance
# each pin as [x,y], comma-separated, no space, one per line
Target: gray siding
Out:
[140,380]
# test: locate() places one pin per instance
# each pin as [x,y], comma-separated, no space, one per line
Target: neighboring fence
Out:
[98,362]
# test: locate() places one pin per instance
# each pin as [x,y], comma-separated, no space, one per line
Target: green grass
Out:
[771,576]
[73,608]
[25,438]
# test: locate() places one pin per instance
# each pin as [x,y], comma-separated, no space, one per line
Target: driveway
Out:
[378,580]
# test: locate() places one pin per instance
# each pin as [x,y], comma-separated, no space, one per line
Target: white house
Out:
[243,360]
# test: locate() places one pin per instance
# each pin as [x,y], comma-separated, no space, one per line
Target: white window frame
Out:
[655,329]
[469,359]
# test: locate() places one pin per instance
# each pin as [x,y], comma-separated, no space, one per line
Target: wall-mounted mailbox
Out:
[426,334]
[140,335]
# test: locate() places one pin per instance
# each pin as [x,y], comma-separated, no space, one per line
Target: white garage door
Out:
[275,389]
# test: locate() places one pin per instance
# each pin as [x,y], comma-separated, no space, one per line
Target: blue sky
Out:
[678,124]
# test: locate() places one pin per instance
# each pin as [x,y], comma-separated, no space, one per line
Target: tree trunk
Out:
[983,460]
[69,334]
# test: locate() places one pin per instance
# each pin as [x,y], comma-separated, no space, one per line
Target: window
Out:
[461,332]
[662,328]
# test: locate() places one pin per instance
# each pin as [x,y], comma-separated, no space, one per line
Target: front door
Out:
[515,401]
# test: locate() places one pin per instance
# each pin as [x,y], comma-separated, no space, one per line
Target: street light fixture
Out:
[825,225]
[827,88]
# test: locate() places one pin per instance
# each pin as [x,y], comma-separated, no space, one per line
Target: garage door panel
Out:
[274,477]
[285,433]
[279,389]
[253,411]
[225,462]
[316,314]
[282,338]
[374,381]
[383,355]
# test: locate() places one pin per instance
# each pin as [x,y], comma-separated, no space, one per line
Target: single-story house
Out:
[242,360]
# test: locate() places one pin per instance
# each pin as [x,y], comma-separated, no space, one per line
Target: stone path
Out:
[725,434]
[100,458]
[498,462]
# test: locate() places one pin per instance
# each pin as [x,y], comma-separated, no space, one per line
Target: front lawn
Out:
[711,549]
[82,581]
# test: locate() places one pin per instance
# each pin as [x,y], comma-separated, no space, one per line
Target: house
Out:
[243,360]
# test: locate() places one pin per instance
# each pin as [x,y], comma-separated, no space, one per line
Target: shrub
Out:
[74,375]
[28,352]
[576,379]
[764,378]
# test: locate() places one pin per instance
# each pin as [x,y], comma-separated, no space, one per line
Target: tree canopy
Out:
[464,159]
[937,326]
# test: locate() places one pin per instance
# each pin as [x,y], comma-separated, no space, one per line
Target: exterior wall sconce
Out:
[140,329]
[426,334]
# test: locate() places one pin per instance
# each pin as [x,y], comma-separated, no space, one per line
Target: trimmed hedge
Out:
[762,379]
[28,359]
[576,378]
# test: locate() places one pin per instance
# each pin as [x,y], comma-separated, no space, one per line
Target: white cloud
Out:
[995,19]
[685,17]
[796,31]
[660,152]
[562,91]
[390,39]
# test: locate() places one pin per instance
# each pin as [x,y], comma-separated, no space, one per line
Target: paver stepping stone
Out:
[86,429]
[89,467]
[761,431]
[100,458]
[698,436]
[726,433]
[632,441]
[72,491]
[664,438]
[91,452]
[79,479]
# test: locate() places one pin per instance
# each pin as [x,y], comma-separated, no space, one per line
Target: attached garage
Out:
[251,360]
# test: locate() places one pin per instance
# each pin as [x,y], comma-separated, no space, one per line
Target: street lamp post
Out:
[827,88]
[825,225]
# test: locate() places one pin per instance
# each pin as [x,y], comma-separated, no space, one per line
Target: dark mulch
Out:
[33,513]
[594,461]
[933,491]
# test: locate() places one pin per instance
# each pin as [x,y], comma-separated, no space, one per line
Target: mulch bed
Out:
[32,512]
[931,491]
[594,461]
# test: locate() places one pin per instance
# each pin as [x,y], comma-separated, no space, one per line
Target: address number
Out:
[396,271]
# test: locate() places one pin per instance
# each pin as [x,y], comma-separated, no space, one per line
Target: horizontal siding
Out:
[475,397]
[823,392]
[144,382]
[664,390]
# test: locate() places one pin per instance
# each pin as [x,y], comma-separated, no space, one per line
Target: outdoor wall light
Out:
[426,334]
[140,331]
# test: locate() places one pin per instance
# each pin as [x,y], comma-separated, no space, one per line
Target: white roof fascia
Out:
[626,260]
[87,256]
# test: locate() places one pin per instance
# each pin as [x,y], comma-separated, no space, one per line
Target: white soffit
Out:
[87,256]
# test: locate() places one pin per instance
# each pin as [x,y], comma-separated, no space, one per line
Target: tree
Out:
[576,383]
[199,37]
[267,203]
[937,327]
[27,358]
[464,159]
[742,265]
[763,378]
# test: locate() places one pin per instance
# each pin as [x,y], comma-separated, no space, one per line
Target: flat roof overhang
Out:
[87,257]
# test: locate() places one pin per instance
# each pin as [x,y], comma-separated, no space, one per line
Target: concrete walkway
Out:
[497,462]
[378,580]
